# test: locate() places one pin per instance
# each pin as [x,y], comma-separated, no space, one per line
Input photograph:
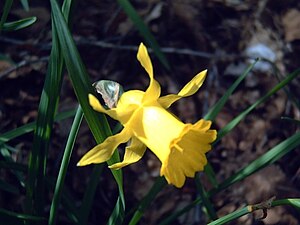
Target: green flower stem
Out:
[175,215]
[231,216]
[97,122]
[159,184]
[215,110]
[6,9]
[144,30]
[64,166]
[205,199]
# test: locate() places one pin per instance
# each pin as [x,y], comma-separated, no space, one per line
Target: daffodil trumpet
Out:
[180,147]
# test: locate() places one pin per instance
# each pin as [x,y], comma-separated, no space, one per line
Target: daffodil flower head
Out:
[180,147]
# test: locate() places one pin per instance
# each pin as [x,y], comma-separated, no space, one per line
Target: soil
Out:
[217,35]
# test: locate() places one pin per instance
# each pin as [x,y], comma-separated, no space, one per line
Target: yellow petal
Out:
[156,128]
[144,59]
[189,89]
[133,153]
[104,151]
[153,91]
[194,85]
[94,102]
[96,105]
[187,152]
[121,113]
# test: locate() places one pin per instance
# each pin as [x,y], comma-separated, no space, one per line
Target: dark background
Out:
[218,36]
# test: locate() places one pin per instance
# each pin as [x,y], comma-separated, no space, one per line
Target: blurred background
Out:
[223,36]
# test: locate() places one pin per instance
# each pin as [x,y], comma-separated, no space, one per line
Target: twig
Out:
[103,44]
[22,64]
[168,50]
[264,206]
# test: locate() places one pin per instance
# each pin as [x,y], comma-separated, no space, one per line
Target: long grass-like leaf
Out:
[20,24]
[205,199]
[245,210]
[46,112]
[291,120]
[230,217]
[266,159]
[83,87]
[169,219]
[64,167]
[6,9]
[7,158]
[13,218]
[295,202]
[236,120]
[67,201]
[27,128]
[25,4]
[47,109]
[4,186]
[159,184]
[214,111]
[144,31]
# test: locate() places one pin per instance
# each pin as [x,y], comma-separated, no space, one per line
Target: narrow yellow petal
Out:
[189,89]
[96,105]
[193,86]
[144,59]
[167,100]
[153,91]
[133,153]
[121,113]
[104,151]
[94,102]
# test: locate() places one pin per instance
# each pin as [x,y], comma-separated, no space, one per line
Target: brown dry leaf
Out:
[261,185]
[291,24]
[4,66]
[254,135]
[155,13]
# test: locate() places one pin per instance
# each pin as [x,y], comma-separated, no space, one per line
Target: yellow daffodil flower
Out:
[180,147]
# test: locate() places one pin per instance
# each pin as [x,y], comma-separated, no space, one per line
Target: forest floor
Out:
[221,36]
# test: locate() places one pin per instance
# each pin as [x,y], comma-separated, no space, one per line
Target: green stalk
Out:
[6,9]
[236,120]
[177,214]
[231,216]
[205,199]
[64,166]
[159,184]
[215,110]
[47,109]
[97,122]
[144,31]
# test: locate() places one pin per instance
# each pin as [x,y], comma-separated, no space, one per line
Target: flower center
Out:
[157,128]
